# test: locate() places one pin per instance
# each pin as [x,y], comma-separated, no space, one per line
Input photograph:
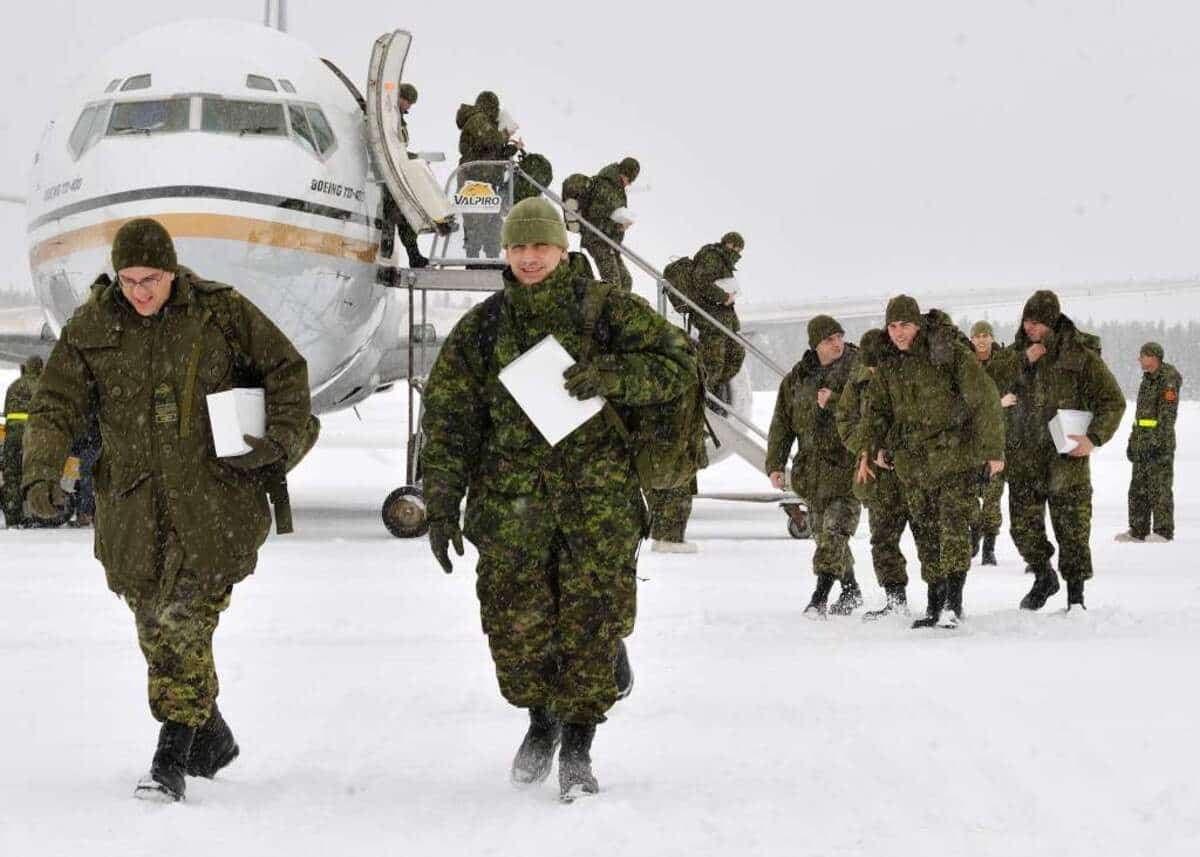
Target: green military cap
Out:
[903,308]
[143,243]
[629,167]
[820,327]
[871,346]
[533,221]
[1042,307]
[734,238]
[1153,349]
[981,327]
[408,92]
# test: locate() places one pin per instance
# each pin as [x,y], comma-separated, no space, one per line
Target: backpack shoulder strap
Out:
[490,325]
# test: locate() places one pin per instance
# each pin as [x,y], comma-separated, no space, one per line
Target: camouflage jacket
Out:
[17,400]
[711,263]
[480,139]
[1071,374]
[822,468]
[1153,434]
[853,418]
[158,471]
[478,439]
[934,409]
[605,195]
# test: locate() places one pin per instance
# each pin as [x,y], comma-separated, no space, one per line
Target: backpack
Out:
[666,439]
[576,189]
[679,274]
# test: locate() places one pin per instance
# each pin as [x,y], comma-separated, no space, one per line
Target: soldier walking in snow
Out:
[1002,366]
[1152,450]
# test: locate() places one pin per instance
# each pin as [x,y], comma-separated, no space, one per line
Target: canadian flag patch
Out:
[1170,396]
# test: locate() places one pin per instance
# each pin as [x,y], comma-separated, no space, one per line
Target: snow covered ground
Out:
[359,685]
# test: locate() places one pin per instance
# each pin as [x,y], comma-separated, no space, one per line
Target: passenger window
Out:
[257,81]
[322,133]
[147,117]
[138,81]
[300,127]
[242,117]
[286,85]
[112,85]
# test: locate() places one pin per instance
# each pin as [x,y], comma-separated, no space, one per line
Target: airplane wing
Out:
[24,333]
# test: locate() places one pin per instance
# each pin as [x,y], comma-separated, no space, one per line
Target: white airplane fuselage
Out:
[276,209]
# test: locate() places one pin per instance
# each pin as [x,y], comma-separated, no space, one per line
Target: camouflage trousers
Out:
[610,265]
[481,235]
[670,509]
[175,633]
[557,590]
[941,516]
[887,514]
[14,502]
[720,356]
[832,523]
[1152,498]
[990,519]
[1071,517]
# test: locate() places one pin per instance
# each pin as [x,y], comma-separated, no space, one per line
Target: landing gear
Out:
[798,527]
[404,513]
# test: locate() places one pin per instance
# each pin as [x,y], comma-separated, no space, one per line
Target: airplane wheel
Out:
[404,513]
[798,526]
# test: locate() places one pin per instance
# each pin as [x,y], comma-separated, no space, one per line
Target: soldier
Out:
[1060,368]
[887,510]
[823,469]
[670,509]
[606,208]
[557,528]
[17,400]
[481,139]
[176,527]
[405,99]
[1002,366]
[721,356]
[1152,450]
[936,418]
[538,168]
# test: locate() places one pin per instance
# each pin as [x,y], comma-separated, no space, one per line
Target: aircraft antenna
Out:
[275,14]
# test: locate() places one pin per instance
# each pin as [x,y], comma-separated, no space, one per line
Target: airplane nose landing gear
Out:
[798,525]
[404,513]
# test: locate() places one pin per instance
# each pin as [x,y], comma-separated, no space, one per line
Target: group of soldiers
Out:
[924,426]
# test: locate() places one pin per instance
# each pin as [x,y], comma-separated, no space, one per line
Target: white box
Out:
[535,380]
[233,413]
[729,284]
[1068,422]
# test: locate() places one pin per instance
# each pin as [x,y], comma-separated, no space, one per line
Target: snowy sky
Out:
[862,147]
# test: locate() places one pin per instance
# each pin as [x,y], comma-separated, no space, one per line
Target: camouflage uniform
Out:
[1002,366]
[822,469]
[480,139]
[17,400]
[557,529]
[605,195]
[1152,451]
[176,527]
[721,356]
[670,509]
[887,510]
[1070,375]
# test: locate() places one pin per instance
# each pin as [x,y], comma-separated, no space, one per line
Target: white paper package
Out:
[233,413]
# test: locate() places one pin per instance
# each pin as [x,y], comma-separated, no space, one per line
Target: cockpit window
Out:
[322,133]
[242,117]
[86,129]
[149,117]
[286,85]
[300,127]
[112,85]
[138,81]
[257,81]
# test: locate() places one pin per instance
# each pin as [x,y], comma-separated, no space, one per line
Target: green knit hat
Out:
[629,167]
[1153,349]
[1042,307]
[820,327]
[408,92]
[734,238]
[533,221]
[903,308]
[871,346]
[489,103]
[981,327]
[143,243]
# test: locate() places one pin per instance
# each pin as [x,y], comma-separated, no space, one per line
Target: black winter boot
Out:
[850,599]
[575,777]
[535,756]
[989,549]
[976,536]
[1075,595]
[897,602]
[820,598]
[933,610]
[623,671]
[1045,584]
[165,781]
[953,613]
[213,747]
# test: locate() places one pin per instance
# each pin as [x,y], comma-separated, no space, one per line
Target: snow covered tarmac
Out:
[358,682]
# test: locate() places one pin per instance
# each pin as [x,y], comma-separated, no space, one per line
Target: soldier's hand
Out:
[584,382]
[881,460]
[995,467]
[730,297]
[1008,400]
[441,535]
[263,453]
[823,395]
[776,478]
[1035,352]
[864,471]
[45,500]
[1083,448]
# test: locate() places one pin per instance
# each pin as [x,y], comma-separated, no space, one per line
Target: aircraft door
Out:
[410,181]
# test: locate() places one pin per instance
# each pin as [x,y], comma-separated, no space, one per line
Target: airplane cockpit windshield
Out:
[146,117]
[242,117]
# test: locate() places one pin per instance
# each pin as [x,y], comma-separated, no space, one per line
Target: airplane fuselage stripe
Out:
[204,192]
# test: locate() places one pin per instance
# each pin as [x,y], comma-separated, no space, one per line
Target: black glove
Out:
[584,382]
[263,453]
[441,534]
[45,500]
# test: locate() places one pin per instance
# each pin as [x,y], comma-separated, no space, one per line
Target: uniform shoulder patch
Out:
[1170,395]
